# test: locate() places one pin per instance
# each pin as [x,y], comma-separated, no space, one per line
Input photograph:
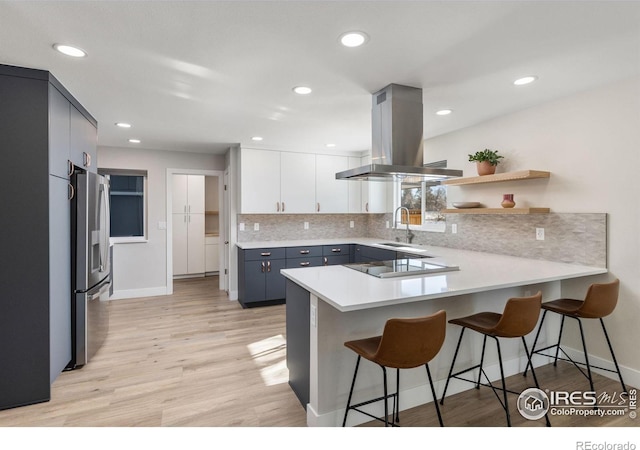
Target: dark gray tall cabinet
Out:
[43,130]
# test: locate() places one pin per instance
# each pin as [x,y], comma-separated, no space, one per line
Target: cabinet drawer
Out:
[376,254]
[293,263]
[304,252]
[341,249]
[211,240]
[256,254]
[333,260]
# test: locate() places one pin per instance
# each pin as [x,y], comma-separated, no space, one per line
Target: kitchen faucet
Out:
[410,235]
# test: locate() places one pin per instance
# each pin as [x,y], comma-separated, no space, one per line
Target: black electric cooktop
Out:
[401,267]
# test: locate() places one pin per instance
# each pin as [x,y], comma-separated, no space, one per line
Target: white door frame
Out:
[169,221]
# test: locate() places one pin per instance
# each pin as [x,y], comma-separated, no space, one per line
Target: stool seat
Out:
[405,343]
[483,322]
[366,348]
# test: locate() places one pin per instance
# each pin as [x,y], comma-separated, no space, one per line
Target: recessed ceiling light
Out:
[302,90]
[330,145]
[123,125]
[70,51]
[525,80]
[444,112]
[256,138]
[353,38]
[134,141]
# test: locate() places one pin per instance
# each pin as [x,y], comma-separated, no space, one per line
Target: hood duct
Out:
[397,140]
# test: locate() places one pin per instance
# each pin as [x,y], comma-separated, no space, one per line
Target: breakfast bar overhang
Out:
[329,305]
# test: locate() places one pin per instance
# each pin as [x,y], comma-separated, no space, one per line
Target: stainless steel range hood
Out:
[397,140]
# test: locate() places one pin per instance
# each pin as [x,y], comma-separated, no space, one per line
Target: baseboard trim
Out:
[137,293]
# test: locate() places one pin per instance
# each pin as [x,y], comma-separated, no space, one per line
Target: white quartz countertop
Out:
[349,290]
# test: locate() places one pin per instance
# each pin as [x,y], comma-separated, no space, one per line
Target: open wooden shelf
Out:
[211,213]
[496,211]
[498,177]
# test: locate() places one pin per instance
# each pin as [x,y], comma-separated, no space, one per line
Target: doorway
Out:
[203,222]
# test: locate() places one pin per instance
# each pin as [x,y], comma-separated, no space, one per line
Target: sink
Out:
[392,244]
[401,246]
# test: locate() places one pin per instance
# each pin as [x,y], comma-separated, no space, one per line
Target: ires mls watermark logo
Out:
[534,403]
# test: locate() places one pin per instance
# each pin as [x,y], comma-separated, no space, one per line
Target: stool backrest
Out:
[520,316]
[408,343]
[601,300]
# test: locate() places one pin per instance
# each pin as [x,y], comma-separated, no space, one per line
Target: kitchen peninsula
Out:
[329,305]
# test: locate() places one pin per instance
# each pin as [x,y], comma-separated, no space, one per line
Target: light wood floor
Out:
[197,359]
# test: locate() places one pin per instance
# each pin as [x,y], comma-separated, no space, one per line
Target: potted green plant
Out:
[486,161]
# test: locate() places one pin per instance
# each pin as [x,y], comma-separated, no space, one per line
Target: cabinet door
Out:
[59,276]
[195,243]
[259,181]
[195,194]
[180,239]
[355,187]
[82,141]
[254,286]
[376,195]
[179,194]
[298,182]
[332,196]
[276,284]
[58,133]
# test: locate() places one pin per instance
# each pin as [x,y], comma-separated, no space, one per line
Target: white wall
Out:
[590,142]
[140,269]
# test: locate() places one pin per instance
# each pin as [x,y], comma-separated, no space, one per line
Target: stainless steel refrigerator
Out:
[91,271]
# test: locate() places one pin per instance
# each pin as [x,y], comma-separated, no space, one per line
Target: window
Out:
[128,204]
[424,201]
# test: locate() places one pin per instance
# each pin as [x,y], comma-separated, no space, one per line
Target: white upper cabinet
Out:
[259,181]
[297,182]
[332,196]
[376,195]
[355,187]
[188,194]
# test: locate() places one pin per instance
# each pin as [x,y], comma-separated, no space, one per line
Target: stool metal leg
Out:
[433,393]
[455,355]
[353,383]
[533,372]
[615,361]
[586,356]
[396,400]
[555,361]
[386,400]
[504,384]
[484,345]
[535,341]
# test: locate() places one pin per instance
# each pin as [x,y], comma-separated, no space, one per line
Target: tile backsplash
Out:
[576,238]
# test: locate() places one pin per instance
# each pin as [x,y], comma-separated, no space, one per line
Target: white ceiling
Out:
[201,75]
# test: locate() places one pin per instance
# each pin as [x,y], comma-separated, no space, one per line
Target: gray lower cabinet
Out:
[259,280]
[364,253]
[35,282]
[298,341]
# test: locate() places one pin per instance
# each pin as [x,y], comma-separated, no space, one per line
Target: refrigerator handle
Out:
[104,226]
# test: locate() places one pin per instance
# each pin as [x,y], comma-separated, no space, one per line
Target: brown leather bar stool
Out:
[518,319]
[404,344]
[600,301]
